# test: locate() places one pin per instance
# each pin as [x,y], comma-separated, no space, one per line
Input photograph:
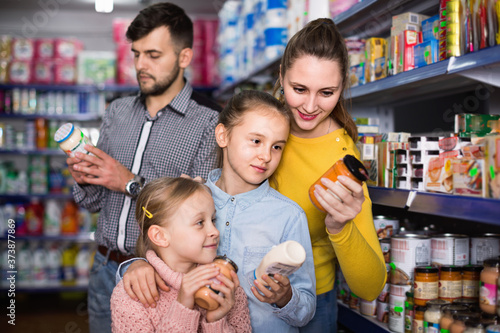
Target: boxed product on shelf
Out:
[409,17]
[44,48]
[120,26]
[43,72]
[426,53]
[4,71]
[407,40]
[5,47]
[430,28]
[453,143]
[399,28]
[439,174]
[96,67]
[424,142]
[492,146]
[67,48]
[469,177]
[375,65]
[477,123]
[65,72]
[20,72]
[23,49]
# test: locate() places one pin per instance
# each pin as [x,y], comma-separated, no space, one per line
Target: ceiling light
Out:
[104,6]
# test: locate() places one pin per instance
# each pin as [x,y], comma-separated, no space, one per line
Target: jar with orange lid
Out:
[489,279]
[202,296]
[470,281]
[448,311]
[426,284]
[348,166]
[458,324]
[450,283]
[418,319]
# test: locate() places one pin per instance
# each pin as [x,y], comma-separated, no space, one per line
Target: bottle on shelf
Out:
[24,262]
[82,265]
[54,262]
[39,264]
[69,218]
[34,217]
[53,215]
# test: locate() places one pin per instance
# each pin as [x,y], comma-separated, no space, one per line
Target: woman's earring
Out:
[282,91]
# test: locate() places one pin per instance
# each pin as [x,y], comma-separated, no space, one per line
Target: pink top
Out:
[169,315]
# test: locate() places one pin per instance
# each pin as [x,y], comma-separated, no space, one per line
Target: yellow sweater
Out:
[356,247]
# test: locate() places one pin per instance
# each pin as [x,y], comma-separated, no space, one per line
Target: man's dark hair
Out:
[161,14]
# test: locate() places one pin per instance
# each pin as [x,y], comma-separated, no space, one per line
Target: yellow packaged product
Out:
[375,59]
[492,143]
[453,29]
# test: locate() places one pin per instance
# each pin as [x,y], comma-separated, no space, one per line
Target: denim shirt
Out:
[250,224]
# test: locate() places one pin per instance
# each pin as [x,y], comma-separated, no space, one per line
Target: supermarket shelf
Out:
[44,152]
[481,210]
[69,117]
[428,81]
[227,90]
[357,322]
[81,237]
[24,197]
[374,17]
[47,287]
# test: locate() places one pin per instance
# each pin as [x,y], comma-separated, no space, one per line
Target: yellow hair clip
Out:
[148,214]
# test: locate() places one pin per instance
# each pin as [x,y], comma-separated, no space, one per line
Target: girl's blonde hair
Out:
[246,101]
[322,39]
[159,200]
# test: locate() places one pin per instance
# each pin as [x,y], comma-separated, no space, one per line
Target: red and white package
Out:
[23,49]
[65,72]
[67,48]
[20,72]
[44,48]
[43,71]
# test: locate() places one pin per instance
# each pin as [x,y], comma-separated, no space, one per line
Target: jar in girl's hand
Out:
[202,296]
[348,166]
[71,139]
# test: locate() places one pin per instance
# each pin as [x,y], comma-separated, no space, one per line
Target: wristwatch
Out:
[134,186]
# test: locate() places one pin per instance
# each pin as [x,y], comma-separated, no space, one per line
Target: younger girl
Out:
[252,217]
[179,239]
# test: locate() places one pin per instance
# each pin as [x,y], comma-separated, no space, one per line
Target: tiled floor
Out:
[47,313]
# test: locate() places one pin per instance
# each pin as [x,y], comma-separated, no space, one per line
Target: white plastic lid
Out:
[64,132]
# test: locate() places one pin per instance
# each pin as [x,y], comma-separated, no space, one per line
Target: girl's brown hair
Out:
[239,104]
[322,39]
[158,200]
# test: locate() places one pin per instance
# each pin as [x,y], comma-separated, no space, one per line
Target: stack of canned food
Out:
[436,283]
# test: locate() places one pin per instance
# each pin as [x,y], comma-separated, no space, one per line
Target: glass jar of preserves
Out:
[450,283]
[489,280]
[458,325]
[432,316]
[470,281]
[202,296]
[448,310]
[71,139]
[426,286]
[418,319]
[348,166]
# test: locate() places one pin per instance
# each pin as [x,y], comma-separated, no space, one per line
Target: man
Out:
[167,130]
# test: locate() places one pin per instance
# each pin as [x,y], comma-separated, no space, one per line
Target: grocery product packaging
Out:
[375,59]
[426,53]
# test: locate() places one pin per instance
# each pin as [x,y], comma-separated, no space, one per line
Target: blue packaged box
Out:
[430,28]
[426,53]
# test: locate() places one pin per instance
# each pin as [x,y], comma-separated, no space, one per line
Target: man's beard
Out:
[160,87]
